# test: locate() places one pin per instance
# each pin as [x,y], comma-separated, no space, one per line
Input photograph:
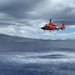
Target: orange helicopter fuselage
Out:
[50,26]
[53,27]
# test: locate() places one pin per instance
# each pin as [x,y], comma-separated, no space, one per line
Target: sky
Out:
[26,17]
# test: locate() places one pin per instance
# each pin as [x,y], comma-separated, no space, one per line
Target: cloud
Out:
[25,10]
[72,26]
[32,14]
[8,30]
[30,32]
[18,9]
[58,36]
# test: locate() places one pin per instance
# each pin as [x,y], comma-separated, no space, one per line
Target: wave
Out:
[38,58]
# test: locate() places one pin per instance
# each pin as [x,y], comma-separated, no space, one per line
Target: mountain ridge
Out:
[10,38]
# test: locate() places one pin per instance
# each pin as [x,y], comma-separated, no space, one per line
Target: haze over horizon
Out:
[24,18]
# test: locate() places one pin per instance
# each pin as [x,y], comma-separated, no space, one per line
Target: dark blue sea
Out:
[37,58]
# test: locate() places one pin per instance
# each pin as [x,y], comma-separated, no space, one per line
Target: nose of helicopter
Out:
[42,27]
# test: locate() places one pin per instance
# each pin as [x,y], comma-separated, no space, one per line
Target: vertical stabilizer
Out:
[63,26]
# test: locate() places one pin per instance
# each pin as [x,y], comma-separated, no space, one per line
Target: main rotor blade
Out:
[58,21]
[66,21]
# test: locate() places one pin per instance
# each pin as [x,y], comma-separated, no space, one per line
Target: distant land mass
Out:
[9,38]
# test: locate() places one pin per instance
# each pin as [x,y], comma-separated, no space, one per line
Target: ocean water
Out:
[37,58]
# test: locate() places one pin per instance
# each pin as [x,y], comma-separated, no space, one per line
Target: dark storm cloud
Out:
[38,9]
[18,9]
[65,15]
[4,23]
[58,10]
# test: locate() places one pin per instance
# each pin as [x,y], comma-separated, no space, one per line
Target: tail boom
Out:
[62,27]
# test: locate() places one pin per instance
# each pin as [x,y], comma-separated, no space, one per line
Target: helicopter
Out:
[53,27]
